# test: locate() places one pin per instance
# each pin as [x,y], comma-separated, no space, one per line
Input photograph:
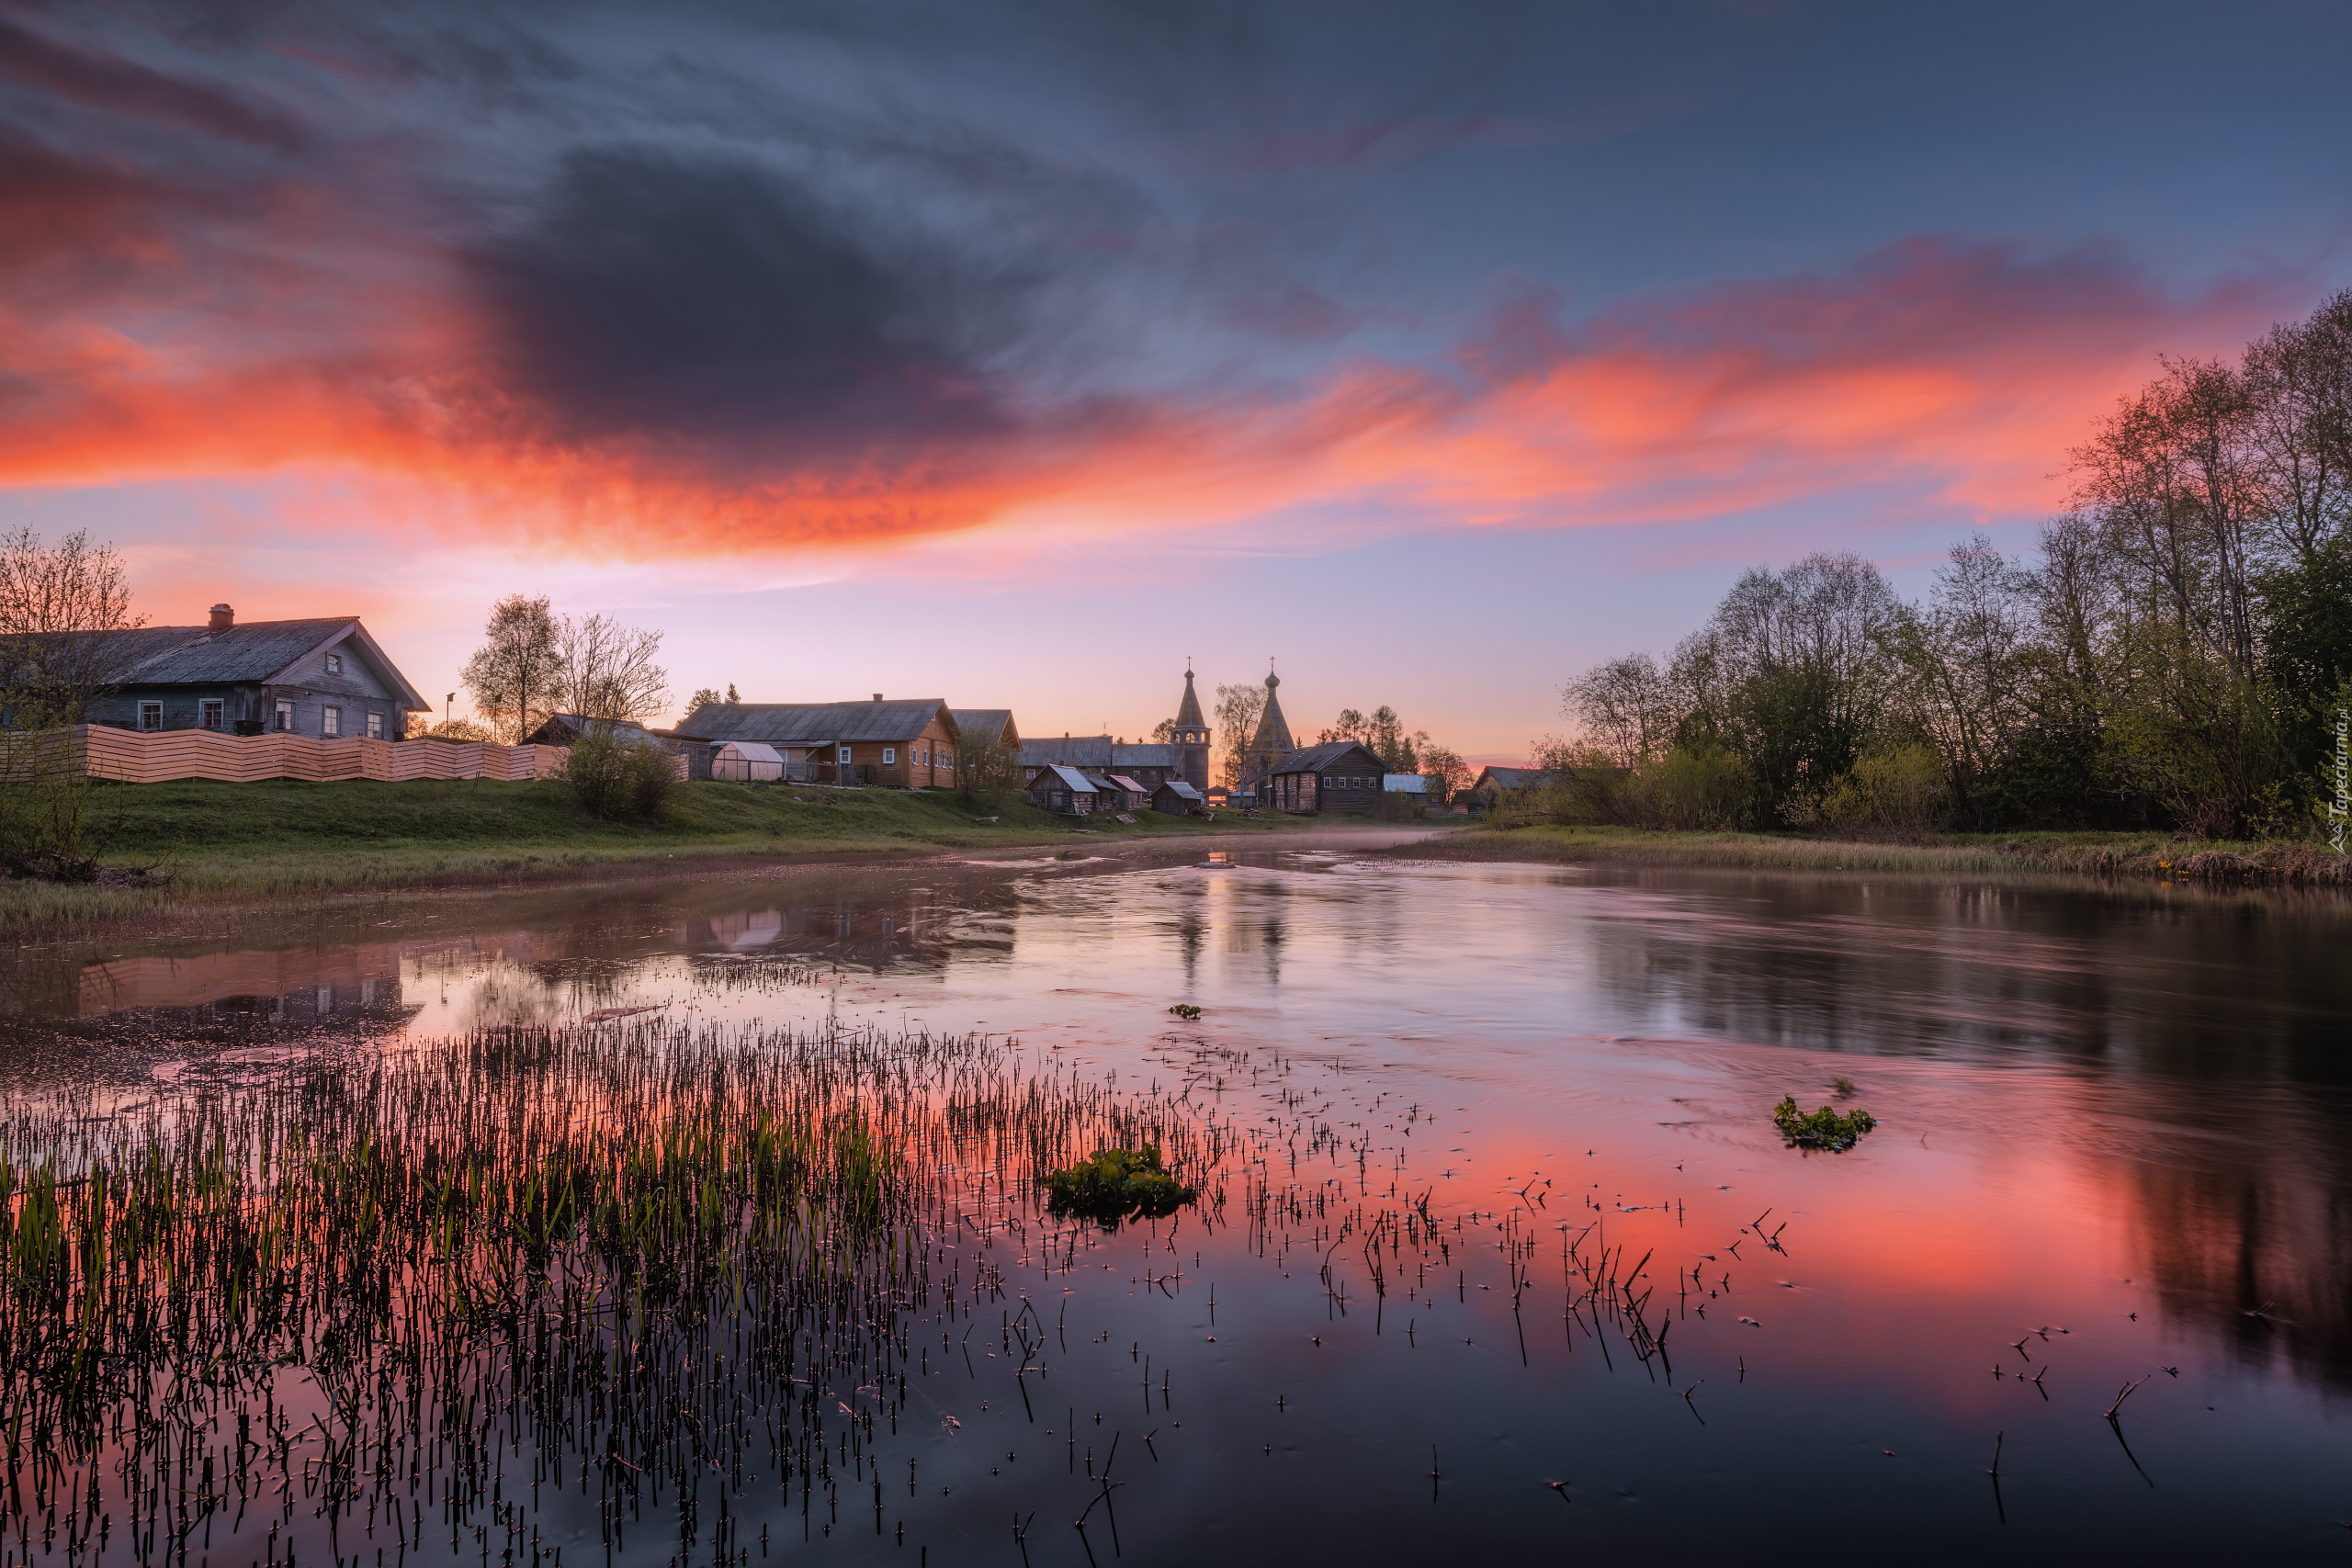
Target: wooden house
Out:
[322,677]
[1064,791]
[908,742]
[1493,784]
[1339,776]
[1176,797]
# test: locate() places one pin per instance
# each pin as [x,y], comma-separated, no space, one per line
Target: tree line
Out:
[2176,653]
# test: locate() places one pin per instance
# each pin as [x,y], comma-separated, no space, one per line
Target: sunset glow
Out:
[339,279]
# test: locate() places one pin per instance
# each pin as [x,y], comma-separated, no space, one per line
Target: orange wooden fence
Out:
[129,756]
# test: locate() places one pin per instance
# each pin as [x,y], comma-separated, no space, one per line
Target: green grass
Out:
[2142,855]
[212,844]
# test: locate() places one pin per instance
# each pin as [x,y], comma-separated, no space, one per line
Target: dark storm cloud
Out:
[123,87]
[708,296]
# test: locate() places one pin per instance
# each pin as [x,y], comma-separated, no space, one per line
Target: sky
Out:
[1017,354]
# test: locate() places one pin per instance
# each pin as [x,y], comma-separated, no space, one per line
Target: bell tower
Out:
[1189,734]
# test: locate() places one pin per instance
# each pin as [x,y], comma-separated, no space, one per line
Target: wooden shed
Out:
[1063,790]
[1177,798]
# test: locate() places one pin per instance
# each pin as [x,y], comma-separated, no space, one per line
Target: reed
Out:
[643,1260]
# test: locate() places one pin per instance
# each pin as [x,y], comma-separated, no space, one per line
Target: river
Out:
[2111,1172]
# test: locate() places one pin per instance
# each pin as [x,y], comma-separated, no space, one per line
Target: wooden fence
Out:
[156,756]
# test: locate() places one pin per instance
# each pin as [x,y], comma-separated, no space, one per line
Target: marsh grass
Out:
[640,1261]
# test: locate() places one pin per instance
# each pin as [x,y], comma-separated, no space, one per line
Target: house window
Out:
[212,713]
[844,756]
[331,721]
[889,754]
[284,720]
[335,663]
[151,716]
[375,726]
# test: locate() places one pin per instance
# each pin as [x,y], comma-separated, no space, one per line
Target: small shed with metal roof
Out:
[1177,798]
[1064,790]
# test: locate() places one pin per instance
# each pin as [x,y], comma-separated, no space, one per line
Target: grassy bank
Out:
[2150,855]
[174,847]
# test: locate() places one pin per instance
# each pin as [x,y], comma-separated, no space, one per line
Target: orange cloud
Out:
[1956,371]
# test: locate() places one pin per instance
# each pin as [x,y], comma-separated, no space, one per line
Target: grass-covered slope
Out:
[2146,854]
[202,841]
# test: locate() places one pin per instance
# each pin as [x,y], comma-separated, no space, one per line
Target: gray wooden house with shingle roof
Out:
[910,742]
[318,677]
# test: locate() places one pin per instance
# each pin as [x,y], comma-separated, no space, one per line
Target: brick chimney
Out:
[877,697]
[223,618]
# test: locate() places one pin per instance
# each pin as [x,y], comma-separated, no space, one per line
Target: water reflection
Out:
[2095,1104]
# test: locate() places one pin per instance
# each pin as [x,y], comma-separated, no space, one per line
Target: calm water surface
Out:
[2112,1146]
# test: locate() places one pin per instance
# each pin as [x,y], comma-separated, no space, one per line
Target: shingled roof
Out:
[809,724]
[1316,759]
[1097,751]
[251,653]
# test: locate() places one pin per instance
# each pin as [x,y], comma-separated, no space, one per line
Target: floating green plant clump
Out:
[1116,1184]
[1185,1009]
[1822,1129]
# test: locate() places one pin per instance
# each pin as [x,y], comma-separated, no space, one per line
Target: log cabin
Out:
[1339,776]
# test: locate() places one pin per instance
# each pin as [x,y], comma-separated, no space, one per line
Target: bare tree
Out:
[1628,706]
[1238,709]
[605,669]
[2171,479]
[2297,384]
[66,640]
[65,628]
[1968,659]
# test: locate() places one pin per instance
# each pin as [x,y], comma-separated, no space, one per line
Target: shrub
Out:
[613,773]
[651,774]
[1116,1184]
[1898,791]
[1822,1129]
